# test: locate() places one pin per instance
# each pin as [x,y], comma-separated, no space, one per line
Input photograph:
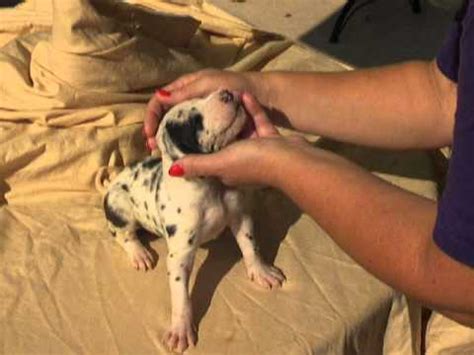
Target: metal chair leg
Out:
[348,10]
[341,20]
[416,6]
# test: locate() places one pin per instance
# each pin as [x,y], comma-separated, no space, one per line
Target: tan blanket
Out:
[72,99]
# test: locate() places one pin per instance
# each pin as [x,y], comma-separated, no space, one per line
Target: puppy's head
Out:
[202,126]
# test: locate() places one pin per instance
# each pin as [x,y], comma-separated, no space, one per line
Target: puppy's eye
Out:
[196,118]
[185,134]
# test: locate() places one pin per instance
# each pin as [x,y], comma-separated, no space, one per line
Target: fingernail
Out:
[163,93]
[147,145]
[176,170]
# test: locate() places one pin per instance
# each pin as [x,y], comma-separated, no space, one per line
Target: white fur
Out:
[199,209]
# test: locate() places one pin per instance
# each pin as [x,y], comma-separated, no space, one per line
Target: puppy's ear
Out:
[184,135]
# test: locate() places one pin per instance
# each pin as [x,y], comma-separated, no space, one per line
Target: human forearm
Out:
[408,105]
[386,229]
[462,318]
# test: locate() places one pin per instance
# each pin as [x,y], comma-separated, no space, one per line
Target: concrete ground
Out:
[385,31]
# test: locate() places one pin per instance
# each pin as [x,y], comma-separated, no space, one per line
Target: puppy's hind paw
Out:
[140,257]
[265,275]
[180,337]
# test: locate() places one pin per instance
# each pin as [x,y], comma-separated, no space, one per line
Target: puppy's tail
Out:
[104,176]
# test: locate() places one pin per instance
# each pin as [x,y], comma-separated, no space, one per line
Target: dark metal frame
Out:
[350,8]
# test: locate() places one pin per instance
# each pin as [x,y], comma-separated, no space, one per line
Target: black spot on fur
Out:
[125,241]
[191,240]
[179,210]
[134,164]
[112,216]
[146,182]
[125,188]
[184,135]
[146,205]
[171,255]
[156,179]
[162,207]
[169,147]
[168,273]
[132,200]
[154,176]
[151,163]
[135,175]
[177,278]
[249,236]
[113,233]
[160,174]
[171,229]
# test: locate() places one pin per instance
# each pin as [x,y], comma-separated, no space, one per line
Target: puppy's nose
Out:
[226,96]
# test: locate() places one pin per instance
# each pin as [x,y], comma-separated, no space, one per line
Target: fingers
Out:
[193,166]
[196,88]
[263,126]
[188,86]
[184,80]
[153,116]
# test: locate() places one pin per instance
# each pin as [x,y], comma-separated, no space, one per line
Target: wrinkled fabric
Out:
[72,97]
[445,336]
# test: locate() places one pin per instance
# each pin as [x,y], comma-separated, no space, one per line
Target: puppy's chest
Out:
[170,206]
[196,208]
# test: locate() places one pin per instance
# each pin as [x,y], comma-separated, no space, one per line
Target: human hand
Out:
[257,160]
[193,85]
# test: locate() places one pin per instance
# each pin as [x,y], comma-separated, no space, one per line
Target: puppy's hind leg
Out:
[258,271]
[122,226]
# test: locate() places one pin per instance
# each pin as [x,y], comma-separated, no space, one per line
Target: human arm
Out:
[387,230]
[384,228]
[406,105]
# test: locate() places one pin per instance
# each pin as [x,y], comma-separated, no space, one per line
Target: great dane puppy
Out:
[187,212]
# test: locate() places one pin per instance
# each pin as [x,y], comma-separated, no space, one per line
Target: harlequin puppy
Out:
[187,212]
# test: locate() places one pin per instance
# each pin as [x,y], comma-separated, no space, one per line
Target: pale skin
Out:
[408,105]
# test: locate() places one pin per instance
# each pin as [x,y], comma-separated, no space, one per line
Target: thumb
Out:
[263,126]
[196,88]
[196,165]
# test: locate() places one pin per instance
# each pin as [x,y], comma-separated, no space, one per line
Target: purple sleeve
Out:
[454,229]
[448,57]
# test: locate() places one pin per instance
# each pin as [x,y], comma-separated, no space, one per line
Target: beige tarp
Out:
[72,97]
[446,337]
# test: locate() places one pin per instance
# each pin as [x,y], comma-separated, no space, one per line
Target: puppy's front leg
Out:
[182,332]
[257,270]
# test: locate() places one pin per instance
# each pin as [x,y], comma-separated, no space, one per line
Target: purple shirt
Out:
[454,229]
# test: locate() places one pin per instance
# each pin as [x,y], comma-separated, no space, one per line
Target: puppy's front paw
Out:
[140,257]
[180,336]
[265,275]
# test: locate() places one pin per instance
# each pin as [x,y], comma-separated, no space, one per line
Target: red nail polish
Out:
[176,170]
[163,93]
